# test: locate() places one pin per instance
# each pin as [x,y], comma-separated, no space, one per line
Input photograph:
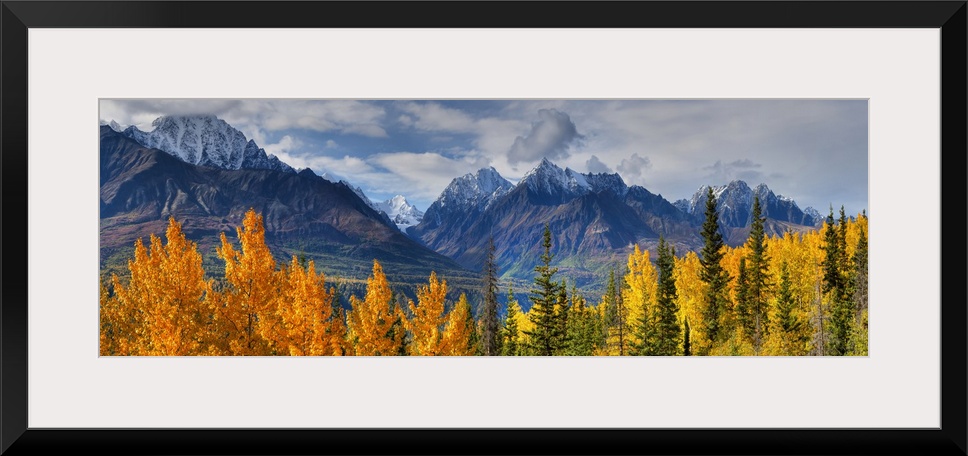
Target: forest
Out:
[799,294]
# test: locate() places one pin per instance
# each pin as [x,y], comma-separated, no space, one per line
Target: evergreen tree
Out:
[584,333]
[712,273]
[837,285]
[614,316]
[860,294]
[509,347]
[489,331]
[670,333]
[793,330]
[744,306]
[758,276]
[546,338]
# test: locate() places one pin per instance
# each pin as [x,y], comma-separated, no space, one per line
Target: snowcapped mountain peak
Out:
[734,203]
[401,212]
[206,140]
[547,178]
[472,192]
[115,126]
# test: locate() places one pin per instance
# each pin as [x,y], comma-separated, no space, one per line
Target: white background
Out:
[896,69]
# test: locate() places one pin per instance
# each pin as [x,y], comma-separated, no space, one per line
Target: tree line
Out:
[790,295]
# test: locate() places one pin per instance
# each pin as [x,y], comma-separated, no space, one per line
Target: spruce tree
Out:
[583,330]
[838,286]
[614,314]
[758,276]
[859,261]
[489,323]
[712,273]
[670,333]
[546,338]
[792,328]
[744,305]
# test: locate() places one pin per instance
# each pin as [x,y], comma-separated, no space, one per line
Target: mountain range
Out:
[207,174]
[303,213]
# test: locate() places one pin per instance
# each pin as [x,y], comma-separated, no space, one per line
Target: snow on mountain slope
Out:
[401,212]
[206,140]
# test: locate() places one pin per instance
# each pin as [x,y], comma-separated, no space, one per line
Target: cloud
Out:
[743,169]
[634,166]
[330,144]
[422,175]
[594,165]
[253,117]
[286,144]
[550,137]
[436,118]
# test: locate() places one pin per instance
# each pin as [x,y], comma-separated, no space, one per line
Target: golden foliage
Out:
[428,318]
[457,334]
[245,310]
[371,320]
[161,310]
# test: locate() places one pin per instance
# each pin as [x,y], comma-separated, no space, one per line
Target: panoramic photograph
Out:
[479,227]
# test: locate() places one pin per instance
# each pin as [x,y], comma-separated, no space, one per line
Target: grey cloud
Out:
[634,165]
[594,165]
[550,137]
[744,169]
[744,163]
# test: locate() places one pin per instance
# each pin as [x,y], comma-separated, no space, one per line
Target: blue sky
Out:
[814,151]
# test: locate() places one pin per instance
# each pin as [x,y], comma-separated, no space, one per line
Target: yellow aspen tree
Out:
[370,322]
[638,296]
[428,318]
[252,288]
[691,300]
[163,302]
[302,313]
[456,340]
[118,325]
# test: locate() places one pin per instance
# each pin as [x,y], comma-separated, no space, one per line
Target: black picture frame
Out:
[16,17]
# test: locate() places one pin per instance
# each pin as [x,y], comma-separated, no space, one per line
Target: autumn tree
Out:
[548,337]
[372,319]
[510,336]
[458,337]
[639,295]
[162,309]
[686,339]
[303,323]
[252,286]
[490,340]
[712,274]
[426,325]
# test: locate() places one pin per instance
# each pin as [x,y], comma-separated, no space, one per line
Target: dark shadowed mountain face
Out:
[303,213]
[595,220]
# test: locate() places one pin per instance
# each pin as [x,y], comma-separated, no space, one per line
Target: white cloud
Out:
[421,176]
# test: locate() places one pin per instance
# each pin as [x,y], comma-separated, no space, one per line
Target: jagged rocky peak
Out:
[474,189]
[206,140]
[735,203]
[548,178]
